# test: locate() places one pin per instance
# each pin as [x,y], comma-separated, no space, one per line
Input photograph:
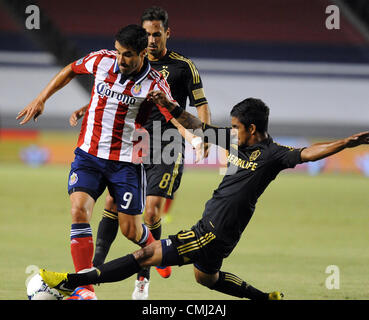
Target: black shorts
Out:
[192,247]
[164,179]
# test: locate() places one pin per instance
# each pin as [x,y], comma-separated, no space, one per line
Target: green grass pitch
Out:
[301,225]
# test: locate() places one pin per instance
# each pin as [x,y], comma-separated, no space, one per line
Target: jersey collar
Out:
[139,77]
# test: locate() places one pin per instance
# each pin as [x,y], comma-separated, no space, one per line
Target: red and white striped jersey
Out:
[112,125]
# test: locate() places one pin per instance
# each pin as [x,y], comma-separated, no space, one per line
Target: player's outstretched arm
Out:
[36,107]
[325,149]
[76,115]
[196,141]
[186,119]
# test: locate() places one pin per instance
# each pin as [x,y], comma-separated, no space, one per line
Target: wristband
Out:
[176,112]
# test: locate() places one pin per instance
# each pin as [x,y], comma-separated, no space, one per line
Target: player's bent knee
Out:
[82,205]
[110,203]
[206,280]
[151,217]
[79,214]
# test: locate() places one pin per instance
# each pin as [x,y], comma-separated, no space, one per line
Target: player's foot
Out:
[141,291]
[57,280]
[165,272]
[276,295]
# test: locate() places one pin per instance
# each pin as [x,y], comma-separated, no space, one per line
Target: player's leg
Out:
[152,215]
[152,219]
[133,229]
[162,182]
[230,284]
[107,231]
[158,252]
[112,271]
[85,185]
[81,244]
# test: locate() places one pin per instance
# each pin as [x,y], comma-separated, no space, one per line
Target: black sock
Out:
[155,230]
[106,233]
[112,271]
[229,283]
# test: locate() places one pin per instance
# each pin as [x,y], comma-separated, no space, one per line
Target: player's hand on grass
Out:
[76,115]
[33,110]
[357,139]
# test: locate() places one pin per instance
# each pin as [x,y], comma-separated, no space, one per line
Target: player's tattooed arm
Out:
[186,119]
[189,121]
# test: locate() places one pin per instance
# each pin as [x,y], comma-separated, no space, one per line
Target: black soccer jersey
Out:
[184,81]
[249,171]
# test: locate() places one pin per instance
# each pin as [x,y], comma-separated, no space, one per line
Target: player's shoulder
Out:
[276,149]
[155,75]
[181,59]
[102,53]
[187,65]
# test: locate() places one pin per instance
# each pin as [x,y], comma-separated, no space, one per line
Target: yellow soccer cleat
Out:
[57,280]
[275,295]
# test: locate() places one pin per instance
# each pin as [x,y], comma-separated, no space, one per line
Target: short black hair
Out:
[133,36]
[155,13]
[254,111]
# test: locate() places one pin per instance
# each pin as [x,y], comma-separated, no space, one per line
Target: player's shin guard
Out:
[82,247]
[106,233]
[229,283]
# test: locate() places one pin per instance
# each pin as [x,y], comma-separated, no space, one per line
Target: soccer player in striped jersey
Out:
[163,178]
[254,161]
[111,143]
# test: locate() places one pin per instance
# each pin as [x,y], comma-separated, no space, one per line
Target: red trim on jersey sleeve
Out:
[167,115]
[163,86]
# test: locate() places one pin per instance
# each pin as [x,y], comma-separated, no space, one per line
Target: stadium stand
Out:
[259,45]
[263,30]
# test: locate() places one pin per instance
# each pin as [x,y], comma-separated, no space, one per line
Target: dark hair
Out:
[250,111]
[132,36]
[155,13]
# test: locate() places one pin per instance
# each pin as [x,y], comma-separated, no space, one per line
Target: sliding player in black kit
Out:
[254,161]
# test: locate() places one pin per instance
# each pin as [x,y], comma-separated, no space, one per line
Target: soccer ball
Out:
[37,289]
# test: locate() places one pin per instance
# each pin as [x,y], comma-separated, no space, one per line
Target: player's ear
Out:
[168,33]
[143,53]
[252,128]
